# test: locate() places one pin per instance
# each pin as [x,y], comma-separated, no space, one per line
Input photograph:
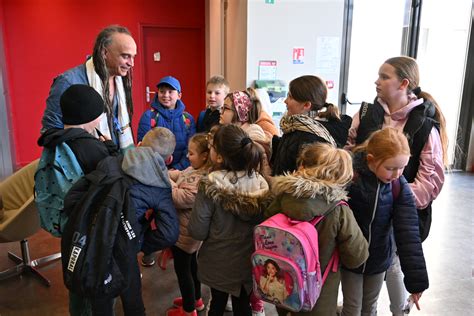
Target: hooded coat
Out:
[302,199]
[177,120]
[152,191]
[227,208]
[185,188]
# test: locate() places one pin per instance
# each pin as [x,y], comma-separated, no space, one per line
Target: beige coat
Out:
[185,187]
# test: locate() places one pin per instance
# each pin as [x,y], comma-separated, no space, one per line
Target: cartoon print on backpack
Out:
[290,247]
[272,282]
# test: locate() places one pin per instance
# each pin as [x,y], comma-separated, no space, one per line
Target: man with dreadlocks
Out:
[109,72]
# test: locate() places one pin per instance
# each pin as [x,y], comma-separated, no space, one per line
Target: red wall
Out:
[43,38]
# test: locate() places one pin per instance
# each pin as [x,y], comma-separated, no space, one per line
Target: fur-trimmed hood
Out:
[245,196]
[301,187]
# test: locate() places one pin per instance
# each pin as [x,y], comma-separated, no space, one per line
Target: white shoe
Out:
[228,307]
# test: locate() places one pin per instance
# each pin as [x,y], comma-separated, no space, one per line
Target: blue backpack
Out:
[58,170]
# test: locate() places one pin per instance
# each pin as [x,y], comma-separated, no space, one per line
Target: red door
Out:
[178,52]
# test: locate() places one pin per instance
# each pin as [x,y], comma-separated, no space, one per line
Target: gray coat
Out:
[226,210]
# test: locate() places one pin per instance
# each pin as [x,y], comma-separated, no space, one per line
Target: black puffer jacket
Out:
[285,149]
[375,210]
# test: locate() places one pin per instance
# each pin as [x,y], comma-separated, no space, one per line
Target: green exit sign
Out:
[270,1]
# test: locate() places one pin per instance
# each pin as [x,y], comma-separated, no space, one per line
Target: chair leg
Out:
[26,265]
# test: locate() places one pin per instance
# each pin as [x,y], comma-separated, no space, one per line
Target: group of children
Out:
[236,171]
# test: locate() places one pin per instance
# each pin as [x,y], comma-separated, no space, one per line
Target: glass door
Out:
[442,54]
[378,30]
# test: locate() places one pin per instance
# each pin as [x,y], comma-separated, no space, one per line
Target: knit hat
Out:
[80,104]
[170,81]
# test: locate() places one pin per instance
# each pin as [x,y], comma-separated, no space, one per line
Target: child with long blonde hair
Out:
[383,206]
[316,188]
[185,187]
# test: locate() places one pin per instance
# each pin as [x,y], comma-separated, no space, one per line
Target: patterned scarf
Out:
[304,123]
[125,135]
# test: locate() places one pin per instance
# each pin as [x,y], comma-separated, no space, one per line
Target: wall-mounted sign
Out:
[298,55]
[267,69]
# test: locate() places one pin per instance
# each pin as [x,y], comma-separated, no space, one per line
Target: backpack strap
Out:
[333,264]
[201,118]
[395,189]
[154,119]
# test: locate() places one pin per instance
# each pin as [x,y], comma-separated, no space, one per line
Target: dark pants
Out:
[185,266]
[131,297]
[240,305]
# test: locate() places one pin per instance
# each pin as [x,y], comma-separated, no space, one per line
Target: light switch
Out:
[157,56]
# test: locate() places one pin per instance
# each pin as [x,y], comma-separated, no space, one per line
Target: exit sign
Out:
[270,1]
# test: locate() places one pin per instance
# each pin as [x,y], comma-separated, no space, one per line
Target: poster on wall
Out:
[267,69]
[327,54]
[328,59]
[298,55]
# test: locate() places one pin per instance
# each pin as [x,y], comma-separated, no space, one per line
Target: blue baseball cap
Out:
[171,81]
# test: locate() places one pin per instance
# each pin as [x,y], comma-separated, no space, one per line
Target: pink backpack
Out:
[286,270]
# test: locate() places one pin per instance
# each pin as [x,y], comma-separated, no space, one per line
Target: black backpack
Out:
[99,232]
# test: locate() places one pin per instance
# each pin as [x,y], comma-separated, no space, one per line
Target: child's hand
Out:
[416,297]
[103,138]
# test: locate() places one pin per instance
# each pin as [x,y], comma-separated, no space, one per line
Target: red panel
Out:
[44,38]
[179,49]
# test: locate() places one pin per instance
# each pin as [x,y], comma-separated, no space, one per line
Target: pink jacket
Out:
[430,177]
[185,187]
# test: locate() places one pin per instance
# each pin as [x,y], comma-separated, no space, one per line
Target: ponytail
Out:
[439,117]
[239,152]
[331,112]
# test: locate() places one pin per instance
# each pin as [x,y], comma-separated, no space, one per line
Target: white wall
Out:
[273,30]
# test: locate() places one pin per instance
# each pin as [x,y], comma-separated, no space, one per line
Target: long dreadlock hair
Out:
[103,40]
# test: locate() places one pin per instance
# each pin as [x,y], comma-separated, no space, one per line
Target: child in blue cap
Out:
[167,110]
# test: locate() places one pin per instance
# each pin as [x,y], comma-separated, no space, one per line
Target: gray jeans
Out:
[396,288]
[360,293]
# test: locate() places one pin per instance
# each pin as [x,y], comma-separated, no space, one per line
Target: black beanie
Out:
[80,104]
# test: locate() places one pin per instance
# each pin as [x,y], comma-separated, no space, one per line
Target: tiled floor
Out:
[449,254]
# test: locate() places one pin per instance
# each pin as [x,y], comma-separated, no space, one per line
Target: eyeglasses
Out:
[222,109]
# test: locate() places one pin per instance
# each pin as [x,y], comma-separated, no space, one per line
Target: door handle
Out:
[148,93]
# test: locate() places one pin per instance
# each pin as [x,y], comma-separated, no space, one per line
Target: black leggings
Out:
[240,305]
[185,267]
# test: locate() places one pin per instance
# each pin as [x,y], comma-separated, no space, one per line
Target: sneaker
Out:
[258,313]
[199,305]
[228,307]
[180,312]
[148,260]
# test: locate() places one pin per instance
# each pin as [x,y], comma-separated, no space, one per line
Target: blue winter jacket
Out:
[181,123]
[52,117]
[376,212]
[152,191]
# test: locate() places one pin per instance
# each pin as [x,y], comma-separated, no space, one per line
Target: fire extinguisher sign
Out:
[298,55]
